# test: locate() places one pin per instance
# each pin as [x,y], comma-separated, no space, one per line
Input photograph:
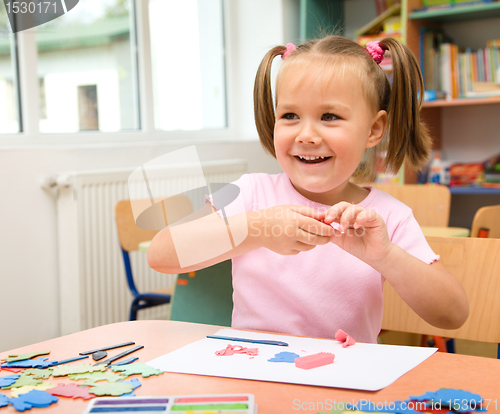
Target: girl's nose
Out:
[308,135]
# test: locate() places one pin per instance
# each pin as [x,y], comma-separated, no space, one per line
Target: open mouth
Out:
[311,160]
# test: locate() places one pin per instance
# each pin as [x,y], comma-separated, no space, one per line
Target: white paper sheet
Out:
[368,367]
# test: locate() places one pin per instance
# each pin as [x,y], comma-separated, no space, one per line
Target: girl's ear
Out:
[377,131]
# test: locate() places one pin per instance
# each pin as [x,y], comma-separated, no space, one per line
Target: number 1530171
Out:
[41,7]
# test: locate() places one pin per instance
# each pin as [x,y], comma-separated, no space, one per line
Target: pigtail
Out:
[408,137]
[263,100]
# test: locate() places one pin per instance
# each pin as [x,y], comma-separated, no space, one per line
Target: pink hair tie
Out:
[290,47]
[375,51]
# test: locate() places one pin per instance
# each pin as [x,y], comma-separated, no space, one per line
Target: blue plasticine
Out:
[284,357]
[8,380]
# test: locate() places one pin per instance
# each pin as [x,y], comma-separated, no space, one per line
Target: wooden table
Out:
[475,374]
[444,231]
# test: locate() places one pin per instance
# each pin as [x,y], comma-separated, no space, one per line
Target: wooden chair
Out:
[130,235]
[487,218]
[476,264]
[430,203]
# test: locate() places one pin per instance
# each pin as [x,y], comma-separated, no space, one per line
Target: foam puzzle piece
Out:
[4,400]
[113,388]
[93,377]
[461,401]
[338,408]
[15,392]
[30,363]
[137,368]
[22,357]
[32,399]
[61,371]
[135,384]
[14,370]
[284,357]
[22,381]
[237,349]
[38,373]
[314,360]
[72,391]
[8,380]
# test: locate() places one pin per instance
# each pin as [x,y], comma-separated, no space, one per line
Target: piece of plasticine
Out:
[340,335]
[315,360]
[349,341]
[346,340]
[284,357]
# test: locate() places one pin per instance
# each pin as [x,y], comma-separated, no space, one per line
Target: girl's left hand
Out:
[361,232]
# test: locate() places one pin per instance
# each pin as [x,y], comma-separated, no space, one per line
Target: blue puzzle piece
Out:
[4,400]
[30,363]
[284,357]
[34,398]
[8,380]
[135,384]
[461,401]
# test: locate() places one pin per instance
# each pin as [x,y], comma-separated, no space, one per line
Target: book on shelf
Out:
[432,5]
[459,72]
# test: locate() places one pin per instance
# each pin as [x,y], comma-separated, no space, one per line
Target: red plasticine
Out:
[315,360]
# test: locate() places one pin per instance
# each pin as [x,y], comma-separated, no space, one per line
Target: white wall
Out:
[28,244]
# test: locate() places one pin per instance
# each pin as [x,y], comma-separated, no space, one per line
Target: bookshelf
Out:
[457,14]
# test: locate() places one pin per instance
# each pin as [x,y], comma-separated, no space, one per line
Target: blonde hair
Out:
[407,138]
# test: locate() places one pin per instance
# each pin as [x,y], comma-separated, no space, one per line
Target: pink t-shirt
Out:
[319,291]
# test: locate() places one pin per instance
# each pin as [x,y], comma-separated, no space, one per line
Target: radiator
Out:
[93,288]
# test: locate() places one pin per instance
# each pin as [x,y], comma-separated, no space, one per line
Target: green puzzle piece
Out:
[22,381]
[38,373]
[23,357]
[137,368]
[94,377]
[61,371]
[114,388]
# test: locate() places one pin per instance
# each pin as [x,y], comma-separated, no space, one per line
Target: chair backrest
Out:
[476,264]
[129,234]
[430,203]
[489,218]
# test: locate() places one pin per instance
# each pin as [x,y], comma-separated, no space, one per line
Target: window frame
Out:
[30,135]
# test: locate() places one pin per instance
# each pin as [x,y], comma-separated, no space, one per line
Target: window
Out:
[89,69]
[187,52]
[9,96]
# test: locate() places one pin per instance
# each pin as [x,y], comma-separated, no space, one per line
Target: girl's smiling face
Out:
[322,128]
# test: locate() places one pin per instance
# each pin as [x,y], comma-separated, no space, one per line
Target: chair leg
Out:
[133,312]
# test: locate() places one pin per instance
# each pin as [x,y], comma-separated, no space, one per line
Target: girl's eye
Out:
[328,117]
[290,116]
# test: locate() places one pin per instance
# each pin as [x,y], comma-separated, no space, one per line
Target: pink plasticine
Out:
[237,349]
[340,335]
[315,360]
[349,341]
[346,340]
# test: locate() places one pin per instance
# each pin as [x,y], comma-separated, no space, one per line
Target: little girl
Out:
[319,247]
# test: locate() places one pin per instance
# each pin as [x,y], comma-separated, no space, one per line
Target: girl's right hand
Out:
[288,229]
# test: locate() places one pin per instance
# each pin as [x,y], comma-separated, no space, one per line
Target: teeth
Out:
[308,158]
